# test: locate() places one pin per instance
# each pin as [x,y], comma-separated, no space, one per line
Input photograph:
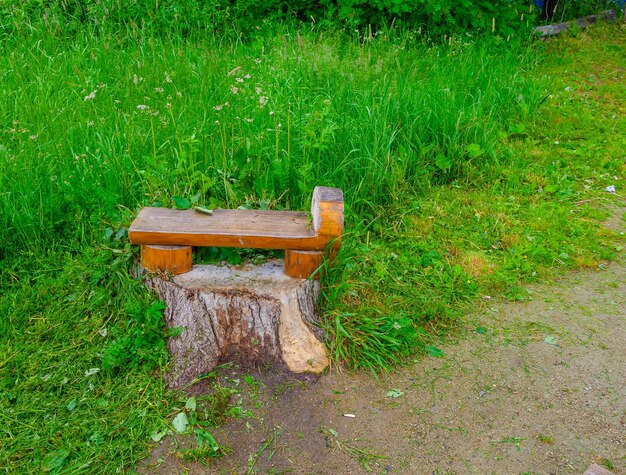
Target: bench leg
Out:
[301,264]
[172,259]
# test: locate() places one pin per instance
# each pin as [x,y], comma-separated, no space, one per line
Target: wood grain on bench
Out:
[225,228]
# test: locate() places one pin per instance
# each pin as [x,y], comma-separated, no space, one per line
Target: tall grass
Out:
[97,124]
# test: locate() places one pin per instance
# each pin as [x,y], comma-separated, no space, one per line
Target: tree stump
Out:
[252,315]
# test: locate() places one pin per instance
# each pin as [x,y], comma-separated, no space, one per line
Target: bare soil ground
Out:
[533,387]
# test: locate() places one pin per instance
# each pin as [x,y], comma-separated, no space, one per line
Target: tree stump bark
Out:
[252,315]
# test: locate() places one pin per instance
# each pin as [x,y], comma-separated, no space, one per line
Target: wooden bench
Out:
[167,235]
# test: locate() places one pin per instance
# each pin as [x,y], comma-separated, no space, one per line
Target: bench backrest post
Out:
[327,212]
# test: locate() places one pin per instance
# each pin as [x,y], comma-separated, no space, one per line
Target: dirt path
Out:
[540,388]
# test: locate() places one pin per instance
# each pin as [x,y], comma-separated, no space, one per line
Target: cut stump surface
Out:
[252,315]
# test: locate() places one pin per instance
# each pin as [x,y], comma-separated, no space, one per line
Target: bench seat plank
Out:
[226,228]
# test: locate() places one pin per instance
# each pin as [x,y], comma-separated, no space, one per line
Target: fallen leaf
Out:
[550,340]
[434,351]
[190,405]
[180,422]
[157,436]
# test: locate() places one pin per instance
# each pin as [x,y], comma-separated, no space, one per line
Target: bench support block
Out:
[170,259]
[303,264]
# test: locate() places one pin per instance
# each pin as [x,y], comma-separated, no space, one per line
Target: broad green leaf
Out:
[233,256]
[517,128]
[474,150]
[181,203]
[120,234]
[180,422]
[190,405]
[206,438]
[157,436]
[481,330]
[395,393]
[434,351]
[108,232]
[71,405]
[443,163]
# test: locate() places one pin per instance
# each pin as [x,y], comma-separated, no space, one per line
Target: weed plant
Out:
[466,170]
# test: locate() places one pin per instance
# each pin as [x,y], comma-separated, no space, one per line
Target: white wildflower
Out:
[91,96]
[610,189]
[167,78]
[238,79]
[257,90]
[218,107]
[143,107]
[179,94]
[262,100]
[247,76]
[248,120]
[158,89]
[234,89]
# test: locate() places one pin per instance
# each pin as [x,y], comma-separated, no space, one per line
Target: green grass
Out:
[58,405]
[101,123]
[468,170]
